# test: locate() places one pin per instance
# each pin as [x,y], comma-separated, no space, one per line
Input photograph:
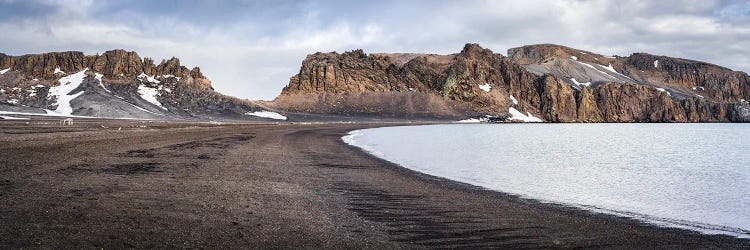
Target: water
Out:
[694,176]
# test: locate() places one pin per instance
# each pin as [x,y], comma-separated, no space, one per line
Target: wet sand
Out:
[128,184]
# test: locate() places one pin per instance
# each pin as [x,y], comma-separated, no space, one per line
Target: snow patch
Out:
[35,79]
[136,106]
[57,70]
[149,94]
[13,101]
[580,83]
[50,113]
[4,71]
[486,118]
[610,68]
[664,90]
[656,63]
[267,114]
[12,118]
[101,83]
[594,68]
[699,88]
[513,99]
[518,116]
[148,78]
[470,120]
[486,87]
[62,92]
[574,58]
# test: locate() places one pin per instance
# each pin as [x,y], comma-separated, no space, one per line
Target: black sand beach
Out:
[130,184]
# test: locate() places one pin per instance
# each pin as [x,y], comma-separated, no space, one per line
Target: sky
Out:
[249,49]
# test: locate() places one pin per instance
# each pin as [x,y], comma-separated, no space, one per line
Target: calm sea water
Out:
[694,176]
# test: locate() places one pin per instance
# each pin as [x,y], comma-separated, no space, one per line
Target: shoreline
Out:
[270,186]
[668,223]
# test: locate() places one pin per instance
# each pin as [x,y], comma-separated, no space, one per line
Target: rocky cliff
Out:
[474,82]
[552,82]
[115,84]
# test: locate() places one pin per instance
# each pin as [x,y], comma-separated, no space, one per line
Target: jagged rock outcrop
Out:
[117,83]
[556,83]
[688,76]
[426,85]
[587,110]
[558,100]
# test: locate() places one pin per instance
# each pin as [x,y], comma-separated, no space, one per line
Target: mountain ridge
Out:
[554,82]
[114,84]
[548,82]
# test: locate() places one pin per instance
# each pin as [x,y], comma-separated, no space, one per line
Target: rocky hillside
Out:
[116,84]
[548,82]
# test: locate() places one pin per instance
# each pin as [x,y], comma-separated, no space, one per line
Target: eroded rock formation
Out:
[556,83]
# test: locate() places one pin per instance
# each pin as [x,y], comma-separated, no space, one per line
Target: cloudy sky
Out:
[250,48]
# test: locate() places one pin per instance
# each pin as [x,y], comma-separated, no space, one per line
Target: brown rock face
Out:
[587,109]
[117,62]
[627,89]
[558,100]
[692,77]
[113,63]
[43,65]
[453,80]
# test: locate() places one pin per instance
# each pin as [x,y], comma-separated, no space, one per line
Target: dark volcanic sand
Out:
[168,185]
